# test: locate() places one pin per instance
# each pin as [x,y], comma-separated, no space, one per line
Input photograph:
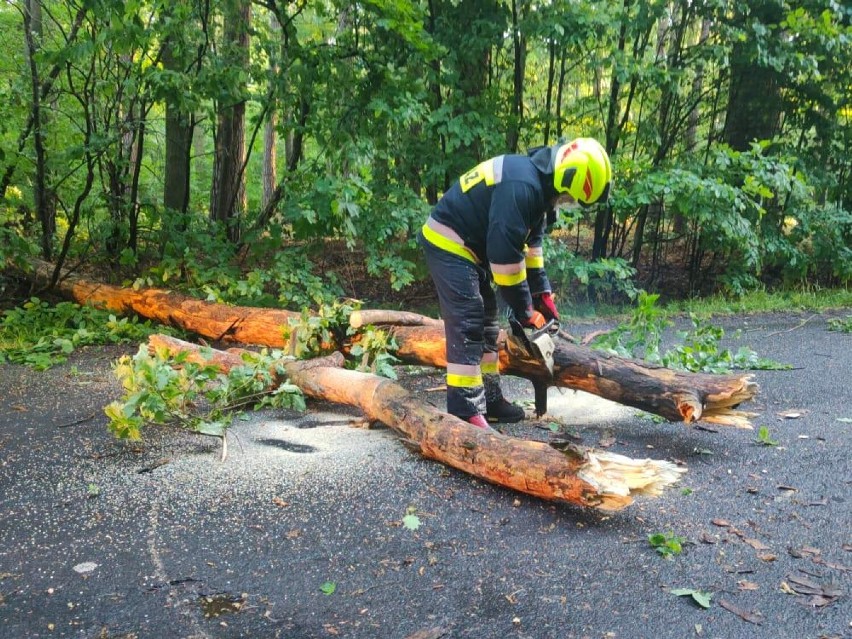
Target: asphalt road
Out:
[299,532]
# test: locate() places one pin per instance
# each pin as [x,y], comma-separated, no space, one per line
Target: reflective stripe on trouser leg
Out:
[462,287]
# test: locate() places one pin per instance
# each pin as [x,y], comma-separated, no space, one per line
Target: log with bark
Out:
[674,395]
[571,474]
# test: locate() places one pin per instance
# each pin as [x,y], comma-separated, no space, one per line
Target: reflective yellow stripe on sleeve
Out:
[534,258]
[509,279]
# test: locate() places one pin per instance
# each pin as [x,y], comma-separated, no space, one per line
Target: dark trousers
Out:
[469,310]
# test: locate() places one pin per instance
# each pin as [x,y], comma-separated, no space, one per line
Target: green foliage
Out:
[323,332]
[802,298]
[837,324]
[763,438]
[164,389]
[320,333]
[697,350]
[42,335]
[204,264]
[641,335]
[296,283]
[328,588]
[826,240]
[411,521]
[374,348]
[667,544]
[605,279]
[698,596]
[386,102]
[15,246]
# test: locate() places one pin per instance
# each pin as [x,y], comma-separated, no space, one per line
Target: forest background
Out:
[285,153]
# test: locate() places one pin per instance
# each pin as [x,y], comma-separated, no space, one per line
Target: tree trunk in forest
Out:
[227,200]
[44,90]
[604,216]
[270,158]
[548,92]
[43,202]
[691,138]
[559,90]
[519,49]
[270,135]
[572,474]
[754,99]
[675,395]
[478,25]
[435,99]
[176,171]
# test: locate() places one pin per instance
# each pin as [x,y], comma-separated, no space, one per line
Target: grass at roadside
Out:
[814,300]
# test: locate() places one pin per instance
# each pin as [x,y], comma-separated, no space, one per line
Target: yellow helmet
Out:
[582,169]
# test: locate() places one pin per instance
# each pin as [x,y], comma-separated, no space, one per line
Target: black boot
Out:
[497,409]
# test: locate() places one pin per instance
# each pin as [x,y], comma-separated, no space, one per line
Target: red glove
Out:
[545,305]
[534,320]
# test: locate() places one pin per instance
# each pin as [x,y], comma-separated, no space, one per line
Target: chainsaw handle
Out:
[550,328]
[519,332]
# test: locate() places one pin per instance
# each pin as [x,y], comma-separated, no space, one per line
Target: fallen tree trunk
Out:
[576,475]
[674,395]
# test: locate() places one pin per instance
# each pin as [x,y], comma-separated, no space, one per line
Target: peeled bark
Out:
[675,395]
[573,474]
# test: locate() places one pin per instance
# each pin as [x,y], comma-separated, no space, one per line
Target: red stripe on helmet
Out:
[566,151]
[587,185]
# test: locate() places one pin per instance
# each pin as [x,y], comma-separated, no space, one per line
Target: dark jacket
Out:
[499,208]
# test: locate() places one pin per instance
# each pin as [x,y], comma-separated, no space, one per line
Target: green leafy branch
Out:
[320,333]
[323,332]
[843,325]
[699,349]
[374,349]
[161,388]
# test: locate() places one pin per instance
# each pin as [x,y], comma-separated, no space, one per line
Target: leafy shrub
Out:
[606,279]
[42,335]
[829,243]
[641,335]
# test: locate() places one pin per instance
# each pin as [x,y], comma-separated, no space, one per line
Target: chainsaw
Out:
[538,344]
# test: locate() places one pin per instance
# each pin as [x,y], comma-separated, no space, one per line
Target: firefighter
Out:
[488,228]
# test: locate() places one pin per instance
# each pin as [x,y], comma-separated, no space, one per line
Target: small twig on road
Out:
[76,421]
[798,326]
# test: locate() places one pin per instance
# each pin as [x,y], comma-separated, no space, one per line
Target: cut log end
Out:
[618,479]
[729,417]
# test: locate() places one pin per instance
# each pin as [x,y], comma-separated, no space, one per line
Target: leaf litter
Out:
[814,594]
